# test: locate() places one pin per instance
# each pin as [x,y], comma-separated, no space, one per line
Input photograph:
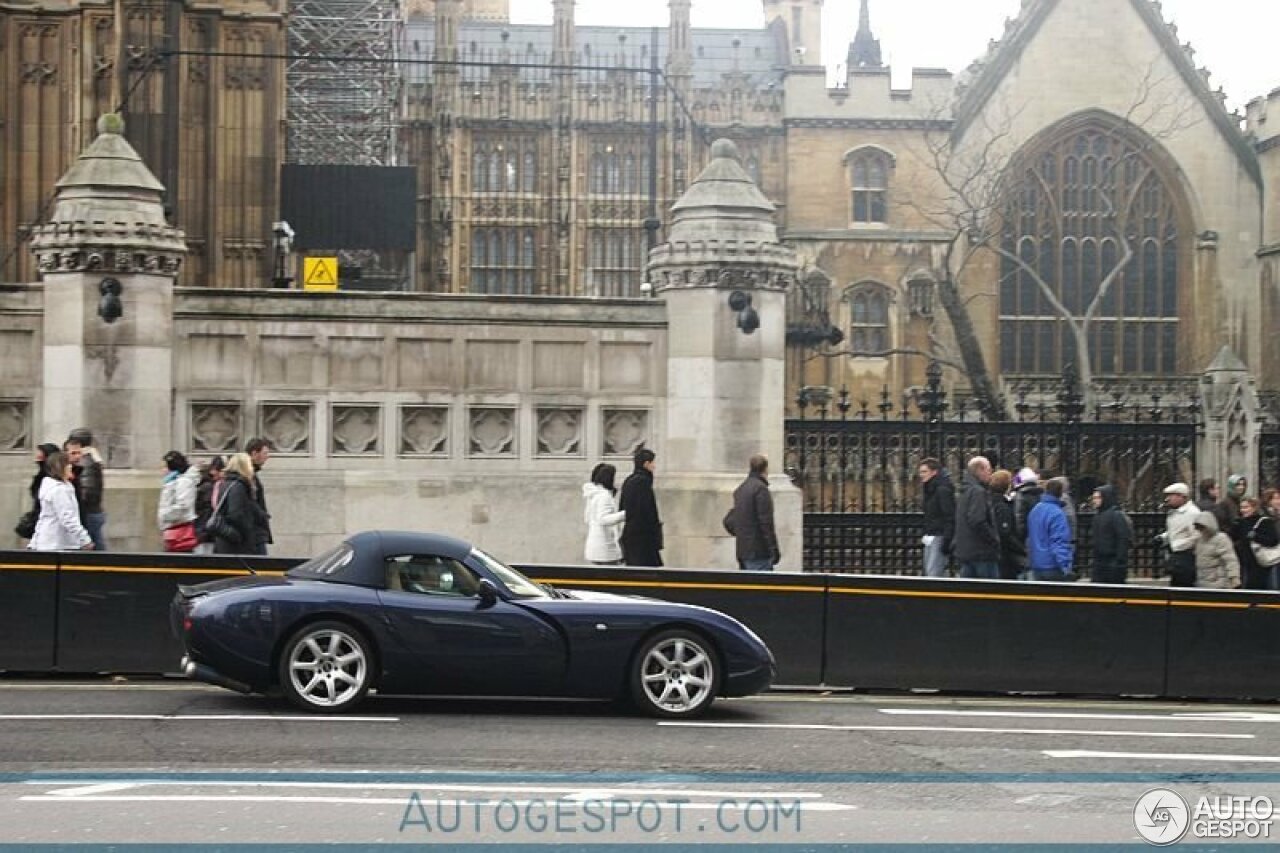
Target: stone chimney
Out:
[724,277]
[108,260]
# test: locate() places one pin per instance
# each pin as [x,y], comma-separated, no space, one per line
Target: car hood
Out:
[592,595]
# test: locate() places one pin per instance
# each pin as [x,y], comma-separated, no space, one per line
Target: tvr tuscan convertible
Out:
[413,613]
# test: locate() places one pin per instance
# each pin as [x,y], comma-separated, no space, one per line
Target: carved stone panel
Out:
[493,365]
[560,432]
[18,359]
[558,365]
[355,363]
[424,363]
[213,361]
[15,426]
[491,432]
[424,430]
[215,427]
[287,362]
[287,426]
[626,366]
[356,430]
[624,431]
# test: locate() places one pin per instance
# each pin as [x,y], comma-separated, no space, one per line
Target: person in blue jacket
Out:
[1051,556]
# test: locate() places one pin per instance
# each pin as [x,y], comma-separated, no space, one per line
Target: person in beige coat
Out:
[1217,566]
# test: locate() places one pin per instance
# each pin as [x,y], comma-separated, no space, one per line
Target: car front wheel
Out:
[326,667]
[675,675]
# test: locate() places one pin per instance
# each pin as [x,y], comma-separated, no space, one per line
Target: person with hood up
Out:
[27,523]
[1026,494]
[642,532]
[1049,549]
[1112,535]
[1227,509]
[602,517]
[1216,564]
[939,506]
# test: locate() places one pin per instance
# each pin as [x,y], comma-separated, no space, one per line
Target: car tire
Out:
[326,667]
[675,673]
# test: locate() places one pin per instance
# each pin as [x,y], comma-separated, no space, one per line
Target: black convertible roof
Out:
[371,548]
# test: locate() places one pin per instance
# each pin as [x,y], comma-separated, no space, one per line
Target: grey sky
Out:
[1234,39]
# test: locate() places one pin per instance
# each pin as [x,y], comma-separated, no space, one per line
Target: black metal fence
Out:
[856,464]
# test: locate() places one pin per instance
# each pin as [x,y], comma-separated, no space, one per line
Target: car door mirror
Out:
[487,592]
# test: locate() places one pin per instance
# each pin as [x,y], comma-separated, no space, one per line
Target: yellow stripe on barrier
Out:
[682,585]
[741,587]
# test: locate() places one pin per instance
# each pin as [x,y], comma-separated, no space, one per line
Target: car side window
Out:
[427,574]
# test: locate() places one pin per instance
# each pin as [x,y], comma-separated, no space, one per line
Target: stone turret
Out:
[108,260]
[724,276]
[864,50]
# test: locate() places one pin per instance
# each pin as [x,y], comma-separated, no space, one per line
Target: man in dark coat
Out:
[259,450]
[939,516]
[751,520]
[642,533]
[977,540]
[1112,538]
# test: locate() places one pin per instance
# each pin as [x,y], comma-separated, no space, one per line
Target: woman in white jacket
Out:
[58,528]
[603,518]
[177,507]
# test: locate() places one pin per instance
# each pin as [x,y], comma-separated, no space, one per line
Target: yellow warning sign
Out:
[320,274]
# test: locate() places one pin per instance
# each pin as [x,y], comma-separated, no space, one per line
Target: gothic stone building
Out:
[1078,194]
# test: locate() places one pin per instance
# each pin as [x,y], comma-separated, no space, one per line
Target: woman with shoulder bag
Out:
[176,514]
[1264,538]
[232,522]
[26,527]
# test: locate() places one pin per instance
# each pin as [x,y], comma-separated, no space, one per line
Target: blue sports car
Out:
[413,613]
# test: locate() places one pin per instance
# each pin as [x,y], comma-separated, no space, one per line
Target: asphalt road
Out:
[173,763]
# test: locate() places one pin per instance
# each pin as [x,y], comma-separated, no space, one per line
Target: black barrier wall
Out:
[83,612]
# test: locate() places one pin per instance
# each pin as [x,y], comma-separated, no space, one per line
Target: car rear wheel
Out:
[675,675]
[326,667]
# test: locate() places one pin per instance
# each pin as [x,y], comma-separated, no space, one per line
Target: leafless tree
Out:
[970,188]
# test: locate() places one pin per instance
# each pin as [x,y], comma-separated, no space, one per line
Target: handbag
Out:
[1267,556]
[26,527]
[217,527]
[181,538]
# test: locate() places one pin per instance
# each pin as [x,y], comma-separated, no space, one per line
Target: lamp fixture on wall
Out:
[748,317]
[110,308]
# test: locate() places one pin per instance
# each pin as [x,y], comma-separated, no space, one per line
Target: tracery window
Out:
[615,262]
[869,186]
[869,318]
[618,167]
[504,165]
[1092,239]
[504,260]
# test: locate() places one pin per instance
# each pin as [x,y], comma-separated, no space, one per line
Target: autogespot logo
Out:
[1161,816]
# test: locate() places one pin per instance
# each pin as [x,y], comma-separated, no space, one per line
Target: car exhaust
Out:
[200,672]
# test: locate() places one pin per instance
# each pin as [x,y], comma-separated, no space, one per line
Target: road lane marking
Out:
[201,718]
[682,804]
[959,729]
[1162,756]
[68,788]
[1190,716]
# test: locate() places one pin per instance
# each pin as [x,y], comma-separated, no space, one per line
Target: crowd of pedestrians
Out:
[1024,526]
[218,507]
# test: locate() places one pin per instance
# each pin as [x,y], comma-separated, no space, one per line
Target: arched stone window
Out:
[868,318]
[618,167]
[614,262]
[504,165]
[1096,238]
[869,169]
[504,260]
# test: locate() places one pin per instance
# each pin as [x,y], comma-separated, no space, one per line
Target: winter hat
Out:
[1026,475]
[1178,489]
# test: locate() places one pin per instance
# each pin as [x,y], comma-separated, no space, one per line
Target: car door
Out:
[463,645]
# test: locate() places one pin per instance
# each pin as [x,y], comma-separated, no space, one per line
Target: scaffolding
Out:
[344,82]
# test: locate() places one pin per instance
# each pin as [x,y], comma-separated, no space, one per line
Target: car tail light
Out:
[187,623]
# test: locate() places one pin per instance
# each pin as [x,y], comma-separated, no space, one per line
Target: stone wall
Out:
[477,417]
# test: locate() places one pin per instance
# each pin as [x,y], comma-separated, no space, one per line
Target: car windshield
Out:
[329,563]
[519,585]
